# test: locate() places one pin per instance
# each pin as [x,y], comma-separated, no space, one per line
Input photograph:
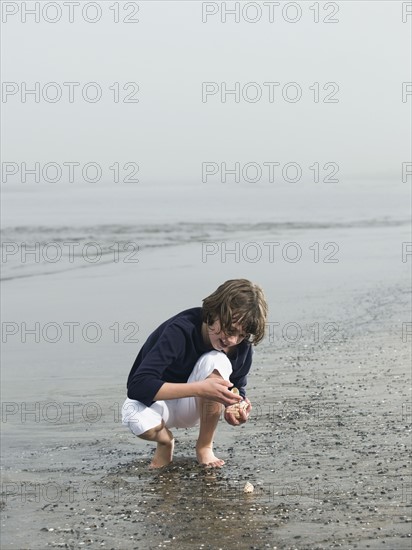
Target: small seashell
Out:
[237,407]
[248,488]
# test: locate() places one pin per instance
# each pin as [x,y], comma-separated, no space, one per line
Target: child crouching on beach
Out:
[183,372]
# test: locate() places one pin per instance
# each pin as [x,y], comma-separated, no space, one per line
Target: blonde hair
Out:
[238,301]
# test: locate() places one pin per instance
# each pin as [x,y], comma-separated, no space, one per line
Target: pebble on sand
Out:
[248,488]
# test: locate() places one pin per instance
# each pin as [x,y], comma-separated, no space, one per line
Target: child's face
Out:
[223,341]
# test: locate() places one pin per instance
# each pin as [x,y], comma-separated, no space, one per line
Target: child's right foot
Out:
[206,457]
[163,454]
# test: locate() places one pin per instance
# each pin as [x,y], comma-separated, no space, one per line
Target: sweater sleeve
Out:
[240,380]
[147,380]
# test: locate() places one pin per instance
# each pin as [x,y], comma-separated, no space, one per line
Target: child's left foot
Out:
[163,454]
[206,457]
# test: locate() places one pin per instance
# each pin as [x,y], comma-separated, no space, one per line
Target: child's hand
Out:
[243,415]
[216,389]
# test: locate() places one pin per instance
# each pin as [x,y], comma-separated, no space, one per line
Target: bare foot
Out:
[206,457]
[163,454]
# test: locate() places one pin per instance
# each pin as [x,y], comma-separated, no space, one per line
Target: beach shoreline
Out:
[326,449]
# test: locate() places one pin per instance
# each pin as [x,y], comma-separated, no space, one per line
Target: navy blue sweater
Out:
[170,353]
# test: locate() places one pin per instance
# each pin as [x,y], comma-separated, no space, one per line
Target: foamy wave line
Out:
[71,240]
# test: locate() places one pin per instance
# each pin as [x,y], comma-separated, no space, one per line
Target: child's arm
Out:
[240,382]
[214,388]
[239,378]
[145,384]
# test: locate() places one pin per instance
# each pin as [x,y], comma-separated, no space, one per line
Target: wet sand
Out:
[327,449]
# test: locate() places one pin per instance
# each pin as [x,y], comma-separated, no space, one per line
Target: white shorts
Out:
[176,413]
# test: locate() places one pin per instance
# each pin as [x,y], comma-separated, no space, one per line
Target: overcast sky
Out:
[363,58]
